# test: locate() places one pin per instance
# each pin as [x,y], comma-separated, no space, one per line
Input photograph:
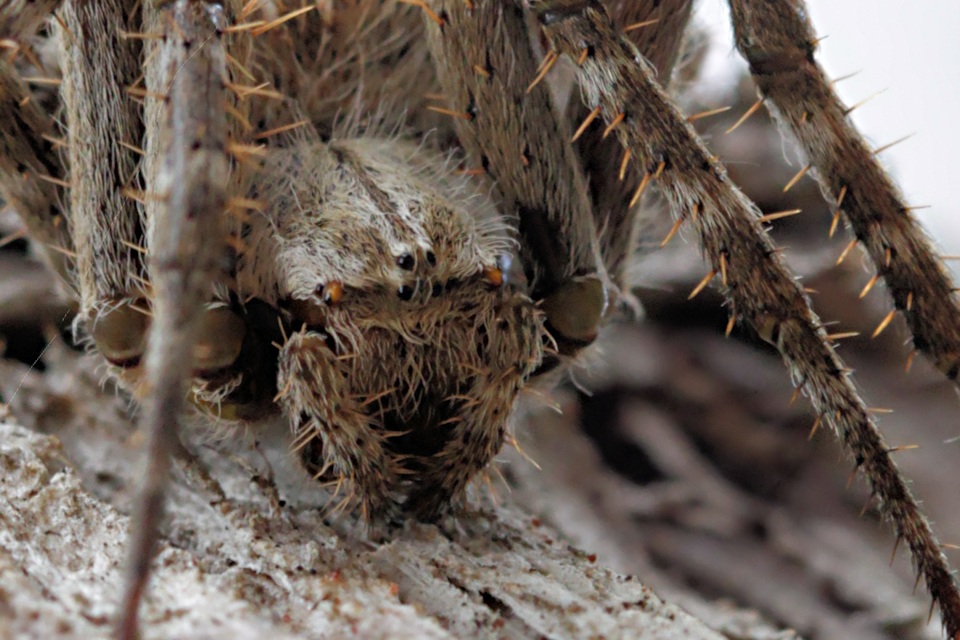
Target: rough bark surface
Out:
[242,566]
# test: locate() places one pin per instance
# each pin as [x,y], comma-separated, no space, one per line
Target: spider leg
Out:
[778,41]
[31,174]
[506,120]
[756,282]
[105,220]
[316,396]
[657,29]
[188,171]
[19,18]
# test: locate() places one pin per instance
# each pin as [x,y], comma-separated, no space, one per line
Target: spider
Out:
[311,211]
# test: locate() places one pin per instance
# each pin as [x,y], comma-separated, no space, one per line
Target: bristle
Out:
[707,114]
[132,35]
[613,124]
[273,24]
[833,337]
[796,178]
[59,143]
[909,363]
[639,192]
[19,234]
[136,247]
[586,123]
[778,215]
[749,112]
[797,391]
[281,129]
[463,115]
[45,81]
[869,286]
[52,180]
[834,222]
[815,427]
[245,26]
[880,150]
[261,90]
[884,323]
[427,10]
[850,110]
[245,203]
[702,285]
[640,25]
[624,164]
[731,323]
[846,251]
[132,147]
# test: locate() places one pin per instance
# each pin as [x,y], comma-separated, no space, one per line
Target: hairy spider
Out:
[265,196]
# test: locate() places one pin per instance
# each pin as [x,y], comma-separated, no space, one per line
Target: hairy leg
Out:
[778,41]
[188,177]
[506,120]
[19,18]
[105,221]
[657,29]
[32,178]
[755,280]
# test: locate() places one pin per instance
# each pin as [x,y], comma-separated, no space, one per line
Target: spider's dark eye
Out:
[405,292]
[406,261]
[431,258]
[437,289]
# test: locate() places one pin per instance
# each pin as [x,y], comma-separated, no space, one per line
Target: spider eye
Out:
[432,258]
[331,293]
[405,292]
[493,275]
[406,261]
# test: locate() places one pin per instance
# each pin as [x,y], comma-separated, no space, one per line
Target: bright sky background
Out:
[912,50]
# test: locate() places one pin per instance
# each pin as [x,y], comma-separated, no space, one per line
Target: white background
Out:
[912,51]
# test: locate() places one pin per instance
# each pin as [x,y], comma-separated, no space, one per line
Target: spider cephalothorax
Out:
[411,343]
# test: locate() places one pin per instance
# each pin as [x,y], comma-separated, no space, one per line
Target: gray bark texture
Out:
[239,565]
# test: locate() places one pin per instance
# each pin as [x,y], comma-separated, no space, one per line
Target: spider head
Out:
[397,276]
